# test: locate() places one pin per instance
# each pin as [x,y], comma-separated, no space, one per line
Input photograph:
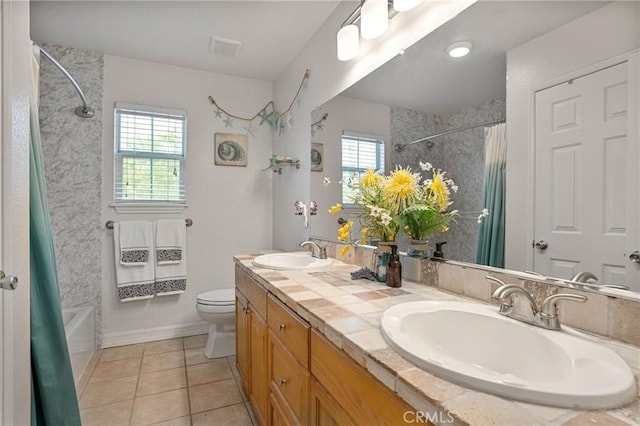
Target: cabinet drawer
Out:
[292,331]
[289,381]
[367,401]
[254,292]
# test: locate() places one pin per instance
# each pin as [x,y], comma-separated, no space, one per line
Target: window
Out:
[150,155]
[359,153]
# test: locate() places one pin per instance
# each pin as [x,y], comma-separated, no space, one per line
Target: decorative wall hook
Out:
[313,208]
[302,210]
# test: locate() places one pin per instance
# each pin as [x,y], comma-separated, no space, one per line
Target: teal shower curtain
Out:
[491,236]
[53,393]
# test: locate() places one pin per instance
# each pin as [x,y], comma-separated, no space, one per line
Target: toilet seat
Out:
[224,297]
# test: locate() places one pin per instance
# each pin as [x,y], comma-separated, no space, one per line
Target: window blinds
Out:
[359,153]
[150,155]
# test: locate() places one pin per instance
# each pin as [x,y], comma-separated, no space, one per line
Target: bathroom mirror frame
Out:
[564,283]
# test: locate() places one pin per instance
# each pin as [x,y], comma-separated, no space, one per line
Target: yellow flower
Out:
[335,209]
[364,231]
[440,191]
[370,179]
[401,187]
[344,250]
[343,231]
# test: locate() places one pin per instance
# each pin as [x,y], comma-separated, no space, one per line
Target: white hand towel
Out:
[136,241]
[170,236]
[134,282]
[171,271]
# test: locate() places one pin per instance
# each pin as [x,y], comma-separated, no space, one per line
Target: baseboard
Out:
[131,337]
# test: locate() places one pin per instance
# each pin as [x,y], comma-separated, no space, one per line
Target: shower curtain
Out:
[53,392]
[491,236]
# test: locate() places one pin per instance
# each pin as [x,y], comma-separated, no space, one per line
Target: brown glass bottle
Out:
[394,268]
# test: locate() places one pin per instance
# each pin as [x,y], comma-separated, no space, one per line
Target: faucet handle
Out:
[550,304]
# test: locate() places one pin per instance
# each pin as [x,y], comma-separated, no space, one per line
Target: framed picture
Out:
[316,157]
[230,150]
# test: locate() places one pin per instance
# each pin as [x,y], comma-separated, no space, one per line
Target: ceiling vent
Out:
[224,47]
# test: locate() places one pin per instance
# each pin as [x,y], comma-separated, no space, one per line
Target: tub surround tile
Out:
[350,320]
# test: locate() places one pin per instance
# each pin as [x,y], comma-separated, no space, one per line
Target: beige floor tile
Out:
[195,356]
[162,361]
[254,419]
[160,407]
[88,371]
[214,395]
[243,393]
[161,381]
[163,346]
[192,342]
[181,421]
[117,413]
[122,352]
[115,370]
[212,371]
[232,364]
[103,393]
[233,415]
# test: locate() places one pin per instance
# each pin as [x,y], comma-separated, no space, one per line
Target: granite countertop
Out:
[347,312]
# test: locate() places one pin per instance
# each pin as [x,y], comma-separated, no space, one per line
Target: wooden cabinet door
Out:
[277,416]
[259,393]
[242,340]
[325,410]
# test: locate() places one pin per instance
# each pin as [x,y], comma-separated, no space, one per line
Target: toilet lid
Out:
[222,297]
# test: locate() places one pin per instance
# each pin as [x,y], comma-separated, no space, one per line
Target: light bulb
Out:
[459,49]
[348,42]
[374,18]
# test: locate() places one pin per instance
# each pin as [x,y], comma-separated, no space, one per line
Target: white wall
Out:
[231,206]
[563,53]
[345,114]
[329,77]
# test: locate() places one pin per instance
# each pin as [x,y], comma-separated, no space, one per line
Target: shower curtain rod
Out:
[83,111]
[400,146]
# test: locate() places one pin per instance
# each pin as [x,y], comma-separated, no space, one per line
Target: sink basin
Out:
[295,261]
[472,345]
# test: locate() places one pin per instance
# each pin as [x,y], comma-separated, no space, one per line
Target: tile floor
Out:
[169,382]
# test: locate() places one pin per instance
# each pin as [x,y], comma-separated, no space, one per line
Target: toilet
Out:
[217,307]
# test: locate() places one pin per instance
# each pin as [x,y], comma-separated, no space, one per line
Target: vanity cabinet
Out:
[289,378]
[294,376]
[251,342]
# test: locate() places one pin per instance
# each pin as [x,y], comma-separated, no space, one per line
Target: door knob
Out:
[635,257]
[8,282]
[540,245]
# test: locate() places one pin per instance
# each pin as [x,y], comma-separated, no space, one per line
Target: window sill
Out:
[144,208]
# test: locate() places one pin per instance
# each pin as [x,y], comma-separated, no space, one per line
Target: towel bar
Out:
[109,224]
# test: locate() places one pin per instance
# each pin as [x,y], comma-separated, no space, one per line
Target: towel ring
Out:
[110,223]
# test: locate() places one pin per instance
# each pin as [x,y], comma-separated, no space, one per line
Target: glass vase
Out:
[382,261]
[419,249]
[394,268]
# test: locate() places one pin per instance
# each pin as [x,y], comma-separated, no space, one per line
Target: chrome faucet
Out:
[583,277]
[317,251]
[546,317]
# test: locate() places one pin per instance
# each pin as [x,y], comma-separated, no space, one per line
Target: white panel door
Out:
[15,77]
[586,198]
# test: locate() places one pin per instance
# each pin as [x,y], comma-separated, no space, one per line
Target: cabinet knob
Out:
[245,310]
[282,327]
[283,382]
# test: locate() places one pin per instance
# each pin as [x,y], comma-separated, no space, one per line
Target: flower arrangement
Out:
[401,202]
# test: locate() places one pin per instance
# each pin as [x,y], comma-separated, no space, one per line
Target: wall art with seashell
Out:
[230,149]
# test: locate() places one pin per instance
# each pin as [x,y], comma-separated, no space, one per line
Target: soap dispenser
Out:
[438,252]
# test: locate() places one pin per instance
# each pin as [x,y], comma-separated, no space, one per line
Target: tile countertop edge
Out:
[428,394]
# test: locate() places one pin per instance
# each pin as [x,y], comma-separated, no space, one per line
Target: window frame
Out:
[380,158]
[134,206]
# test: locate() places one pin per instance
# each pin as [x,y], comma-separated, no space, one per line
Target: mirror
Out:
[424,92]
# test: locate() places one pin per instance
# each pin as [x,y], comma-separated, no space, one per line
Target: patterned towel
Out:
[135,280]
[171,270]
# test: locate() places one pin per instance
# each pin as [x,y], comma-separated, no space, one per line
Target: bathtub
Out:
[79,329]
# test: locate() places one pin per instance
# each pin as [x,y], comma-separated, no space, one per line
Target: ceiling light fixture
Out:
[404,5]
[348,42]
[373,16]
[459,49]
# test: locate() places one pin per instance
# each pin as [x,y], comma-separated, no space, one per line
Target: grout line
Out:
[186,380]
[135,394]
